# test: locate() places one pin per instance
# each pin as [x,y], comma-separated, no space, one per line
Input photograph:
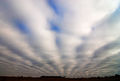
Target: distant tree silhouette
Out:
[116,77]
[51,77]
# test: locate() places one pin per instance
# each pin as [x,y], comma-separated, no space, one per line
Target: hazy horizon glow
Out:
[71,38]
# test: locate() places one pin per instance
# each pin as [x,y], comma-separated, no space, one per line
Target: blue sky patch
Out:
[55,28]
[21,26]
[53,5]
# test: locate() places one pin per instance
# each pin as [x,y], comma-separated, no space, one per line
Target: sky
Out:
[71,38]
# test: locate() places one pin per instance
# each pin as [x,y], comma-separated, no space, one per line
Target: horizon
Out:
[116,75]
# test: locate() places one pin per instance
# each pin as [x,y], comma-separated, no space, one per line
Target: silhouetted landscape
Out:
[58,78]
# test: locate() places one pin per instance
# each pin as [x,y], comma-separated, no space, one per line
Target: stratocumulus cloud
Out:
[59,38]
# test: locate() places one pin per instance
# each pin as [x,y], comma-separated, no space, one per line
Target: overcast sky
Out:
[71,38]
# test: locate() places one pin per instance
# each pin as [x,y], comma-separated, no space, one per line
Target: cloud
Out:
[59,38]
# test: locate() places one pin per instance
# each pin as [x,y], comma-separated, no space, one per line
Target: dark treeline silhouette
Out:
[59,78]
[51,77]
